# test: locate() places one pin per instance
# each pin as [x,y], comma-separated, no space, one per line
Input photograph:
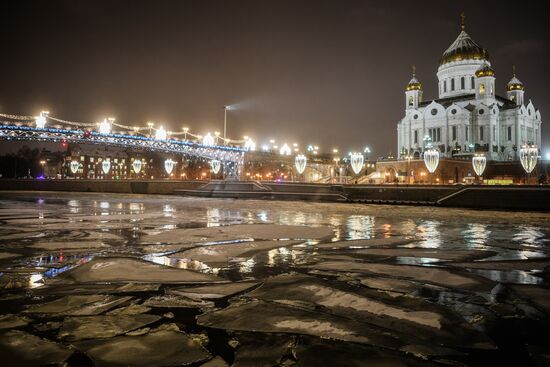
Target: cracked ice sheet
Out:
[427,253]
[239,231]
[123,270]
[158,347]
[374,242]
[93,327]
[219,255]
[213,291]
[23,349]
[432,275]
[79,305]
[311,289]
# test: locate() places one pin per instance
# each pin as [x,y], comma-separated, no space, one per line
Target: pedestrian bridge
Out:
[20,128]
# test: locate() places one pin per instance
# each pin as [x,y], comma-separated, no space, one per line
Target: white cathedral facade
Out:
[468,117]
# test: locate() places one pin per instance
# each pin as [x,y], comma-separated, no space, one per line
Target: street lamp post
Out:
[225,109]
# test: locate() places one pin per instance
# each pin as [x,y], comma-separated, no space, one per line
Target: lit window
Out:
[482,89]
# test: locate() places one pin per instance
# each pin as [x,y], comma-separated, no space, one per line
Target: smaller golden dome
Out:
[414,84]
[514,83]
[485,70]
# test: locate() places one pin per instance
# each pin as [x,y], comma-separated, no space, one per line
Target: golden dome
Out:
[514,83]
[485,70]
[464,48]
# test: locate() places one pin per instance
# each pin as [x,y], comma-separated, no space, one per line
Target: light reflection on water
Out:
[351,223]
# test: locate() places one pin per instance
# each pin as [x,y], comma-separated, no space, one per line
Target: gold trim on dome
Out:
[414,86]
[511,87]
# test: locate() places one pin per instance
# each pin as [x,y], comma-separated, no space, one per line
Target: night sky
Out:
[330,73]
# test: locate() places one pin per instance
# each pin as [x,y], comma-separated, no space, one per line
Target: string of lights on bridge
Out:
[208,145]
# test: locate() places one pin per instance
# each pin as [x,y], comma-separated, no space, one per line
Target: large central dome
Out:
[464,48]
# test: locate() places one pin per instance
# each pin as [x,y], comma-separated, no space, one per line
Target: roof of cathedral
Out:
[464,48]
[446,102]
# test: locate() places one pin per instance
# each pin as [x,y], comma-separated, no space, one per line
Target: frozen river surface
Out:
[114,280]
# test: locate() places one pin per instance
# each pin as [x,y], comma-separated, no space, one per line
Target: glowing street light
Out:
[249,144]
[105,127]
[285,150]
[160,134]
[208,140]
[41,120]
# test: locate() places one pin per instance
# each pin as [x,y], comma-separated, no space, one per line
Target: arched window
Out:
[482,88]
[462,83]
[410,100]
[444,86]
[452,84]
[473,83]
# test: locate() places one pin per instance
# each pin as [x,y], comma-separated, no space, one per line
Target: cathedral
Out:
[469,116]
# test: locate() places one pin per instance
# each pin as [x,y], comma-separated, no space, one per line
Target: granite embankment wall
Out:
[115,186]
[484,197]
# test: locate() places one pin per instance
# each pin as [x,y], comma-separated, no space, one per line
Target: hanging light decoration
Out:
[356,160]
[431,159]
[169,165]
[479,161]
[136,165]
[208,140]
[528,156]
[106,166]
[285,150]
[160,134]
[300,162]
[105,127]
[215,165]
[75,165]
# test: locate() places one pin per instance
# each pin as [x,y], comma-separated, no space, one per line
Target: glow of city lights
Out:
[106,166]
[105,127]
[74,166]
[529,155]
[215,165]
[356,160]
[136,165]
[479,161]
[431,159]
[285,150]
[169,165]
[300,162]
[249,144]
[208,140]
[160,134]
[265,148]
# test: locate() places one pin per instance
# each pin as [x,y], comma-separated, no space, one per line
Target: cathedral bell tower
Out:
[413,92]
[515,89]
[485,83]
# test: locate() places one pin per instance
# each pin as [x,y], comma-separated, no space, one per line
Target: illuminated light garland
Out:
[431,159]
[208,140]
[106,166]
[356,161]
[74,166]
[300,162]
[528,156]
[136,165]
[169,165]
[160,134]
[285,150]
[215,165]
[479,161]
